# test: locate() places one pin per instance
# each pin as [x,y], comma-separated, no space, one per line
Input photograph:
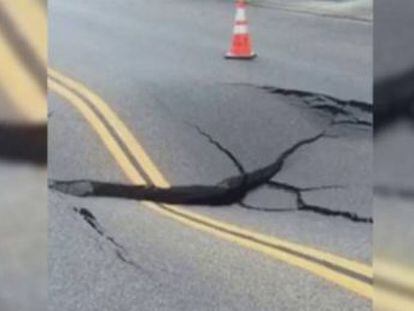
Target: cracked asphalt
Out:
[203,120]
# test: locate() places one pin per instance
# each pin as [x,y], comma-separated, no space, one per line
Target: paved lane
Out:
[164,80]
[93,256]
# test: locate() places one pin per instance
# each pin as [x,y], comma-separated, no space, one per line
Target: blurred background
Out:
[394,149]
[23,150]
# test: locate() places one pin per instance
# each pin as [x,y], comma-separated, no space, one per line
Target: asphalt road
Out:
[160,66]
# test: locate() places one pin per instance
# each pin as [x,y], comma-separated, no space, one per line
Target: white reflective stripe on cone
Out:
[240,29]
[240,15]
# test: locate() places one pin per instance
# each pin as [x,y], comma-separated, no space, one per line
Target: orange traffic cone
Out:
[241,47]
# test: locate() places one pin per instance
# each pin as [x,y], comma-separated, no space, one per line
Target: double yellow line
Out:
[23,60]
[140,169]
[394,285]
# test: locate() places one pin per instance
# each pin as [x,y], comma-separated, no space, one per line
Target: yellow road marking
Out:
[15,79]
[395,273]
[17,83]
[142,157]
[121,129]
[386,300]
[394,286]
[101,130]
[244,237]
[30,19]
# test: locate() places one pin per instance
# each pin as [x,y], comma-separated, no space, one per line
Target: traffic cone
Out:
[241,46]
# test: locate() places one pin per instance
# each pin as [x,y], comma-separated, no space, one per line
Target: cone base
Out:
[242,57]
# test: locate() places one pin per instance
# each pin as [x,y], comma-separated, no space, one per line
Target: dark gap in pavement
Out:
[120,251]
[223,149]
[264,209]
[302,205]
[231,190]
[333,110]
[24,143]
[228,191]
[331,105]
[360,105]
[353,122]
[326,103]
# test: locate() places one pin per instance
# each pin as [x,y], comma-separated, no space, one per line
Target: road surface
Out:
[159,67]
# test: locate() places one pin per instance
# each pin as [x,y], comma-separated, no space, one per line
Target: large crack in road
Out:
[343,112]
[302,205]
[231,190]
